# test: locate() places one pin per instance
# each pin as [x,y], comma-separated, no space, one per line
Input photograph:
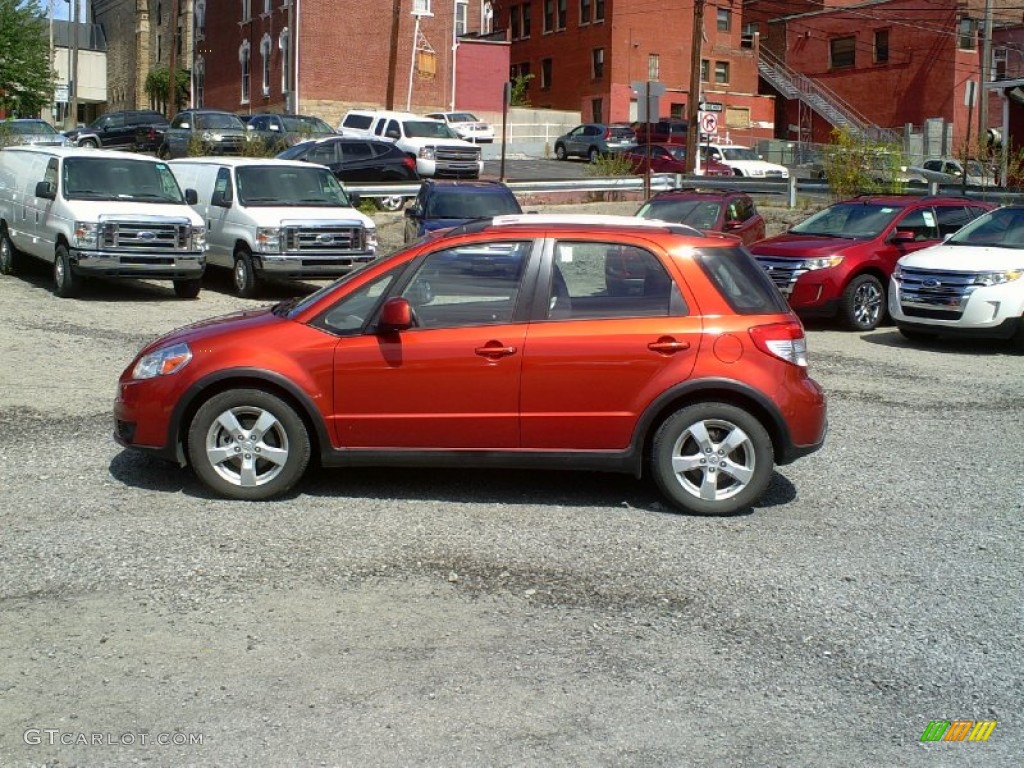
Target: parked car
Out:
[444,204]
[357,160]
[437,149]
[285,130]
[467,125]
[743,160]
[31,132]
[276,218]
[591,140]
[708,210]
[838,261]
[950,170]
[665,130]
[669,158]
[103,214]
[217,133]
[419,359]
[118,130]
[971,285]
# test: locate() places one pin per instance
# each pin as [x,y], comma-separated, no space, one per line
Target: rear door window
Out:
[744,285]
[951,218]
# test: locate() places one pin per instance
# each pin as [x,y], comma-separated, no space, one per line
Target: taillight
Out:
[607,133]
[409,163]
[785,341]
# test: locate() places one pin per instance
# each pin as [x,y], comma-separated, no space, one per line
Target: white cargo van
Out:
[438,150]
[282,218]
[98,212]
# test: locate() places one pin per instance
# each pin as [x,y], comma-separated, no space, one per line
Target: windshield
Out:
[739,153]
[216,120]
[702,214]
[1003,228]
[114,178]
[306,125]
[849,220]
[289,185]
[428,129]
[462,117]
[32,128]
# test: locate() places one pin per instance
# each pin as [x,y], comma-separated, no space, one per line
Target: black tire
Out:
[592,154]
[235,464]
[862,306]
[920,337]
[698,435]
[244,274]
[560,152]
[187,289]
[89,143]
[66,283]
[9,255]
[390,203]
[164,152]
[1017,340]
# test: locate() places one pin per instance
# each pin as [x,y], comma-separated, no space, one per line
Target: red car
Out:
[708,210]
[670,158]
[695,375]
[839,261]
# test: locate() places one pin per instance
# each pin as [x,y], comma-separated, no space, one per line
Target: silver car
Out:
[591,140]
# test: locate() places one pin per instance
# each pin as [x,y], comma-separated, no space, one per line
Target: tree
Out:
[26,72]
[520,97]
[156,86]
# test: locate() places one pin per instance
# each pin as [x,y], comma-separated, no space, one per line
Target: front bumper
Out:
[309,265]
[987,311]
[172,266]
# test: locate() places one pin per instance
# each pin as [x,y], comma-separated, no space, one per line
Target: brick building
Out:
[249,57]
[584,54]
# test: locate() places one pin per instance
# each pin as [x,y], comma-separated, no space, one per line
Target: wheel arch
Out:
[245,378]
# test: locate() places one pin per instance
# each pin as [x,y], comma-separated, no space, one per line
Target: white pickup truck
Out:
[438,150]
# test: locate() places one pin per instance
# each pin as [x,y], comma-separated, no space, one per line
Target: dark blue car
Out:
[442,204]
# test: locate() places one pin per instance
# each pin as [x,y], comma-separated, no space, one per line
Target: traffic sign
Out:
[60,92]
[708,122]
[711,106]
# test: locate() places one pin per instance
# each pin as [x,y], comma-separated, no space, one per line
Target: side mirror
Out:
[354,199]
[413,211]
[733,224]
[186,126]
[45,189]
[191,196]
[395,315]
[903,236]
[221,198]
[250,127]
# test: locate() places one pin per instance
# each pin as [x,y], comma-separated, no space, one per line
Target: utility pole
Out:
[986,70]
[693,100]
[172,75]
[73,75]
[396,14]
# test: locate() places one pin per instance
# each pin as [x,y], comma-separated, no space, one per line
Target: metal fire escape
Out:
[816,97]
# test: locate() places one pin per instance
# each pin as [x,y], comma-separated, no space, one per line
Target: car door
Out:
[219,239]
[612,330]
[357,162]
[575,140]
[742,220]
[452,381]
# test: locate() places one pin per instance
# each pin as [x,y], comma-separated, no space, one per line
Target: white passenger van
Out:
[98,212]
[283,218]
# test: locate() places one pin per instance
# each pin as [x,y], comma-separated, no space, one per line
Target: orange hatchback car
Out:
[501,343]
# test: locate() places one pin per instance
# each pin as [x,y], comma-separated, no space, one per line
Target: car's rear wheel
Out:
[862,306]
[390,203]
[244,273]
[712,459]
[9,255]
[66,283]
[560,152]
[593,154]
[248,444]
[187,289]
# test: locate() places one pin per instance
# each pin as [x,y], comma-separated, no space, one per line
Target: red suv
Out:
[709,211]
[838,262]
[696,374]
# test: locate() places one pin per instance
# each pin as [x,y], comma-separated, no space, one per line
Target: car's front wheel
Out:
[8,253]
[66,283]
[90,143]
[244,273]
[560,152]
[862,306]
[712,459]
[248,444]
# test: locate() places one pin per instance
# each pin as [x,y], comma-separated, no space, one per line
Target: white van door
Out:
[218,232]
[41,220]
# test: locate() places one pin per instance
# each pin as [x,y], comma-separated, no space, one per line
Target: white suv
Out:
[744,161]
[970,285]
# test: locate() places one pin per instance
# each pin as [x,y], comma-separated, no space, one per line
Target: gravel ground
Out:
[395,618]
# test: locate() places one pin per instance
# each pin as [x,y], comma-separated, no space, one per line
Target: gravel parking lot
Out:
[397,617]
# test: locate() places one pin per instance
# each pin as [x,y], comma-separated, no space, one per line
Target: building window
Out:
[284,46]
[722,72]
[545,74]
[178,42]
[159,47]
[201,19]
[597,108]
[584,11]
[246,10]
[266,7]
[598,10]
[562,13]
[881,46]
[597,61]
[549,15]
[676,109]
[245,60]
[461,17]
[724,20]
[513,21]
[999,56]
[968,34]
[421,7]
[705,71]
[653,66]
[199,80]
[266,45]
[842,51]
[747,34]
[526,20]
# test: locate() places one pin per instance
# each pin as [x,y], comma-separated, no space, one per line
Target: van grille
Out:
[329,238]
[145,236]
[934,293]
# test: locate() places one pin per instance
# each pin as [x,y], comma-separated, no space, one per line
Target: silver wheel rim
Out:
[392,203]
[58,270]
[5,252]
[867,304]
[713,460]
[241,275]
[247,446]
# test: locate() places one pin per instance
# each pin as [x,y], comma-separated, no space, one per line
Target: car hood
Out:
[796,246]
[269,215]
[195,333]
[965,258]
[96,210]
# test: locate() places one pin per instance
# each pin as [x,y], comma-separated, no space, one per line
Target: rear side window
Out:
[361,122]
[741,281]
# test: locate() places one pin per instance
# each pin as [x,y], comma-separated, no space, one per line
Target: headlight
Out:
[207,136]
[998,278]
[427,153]
[824,262]
[85,234]
[162,362]
[268,239]
[198,238]
[371,240]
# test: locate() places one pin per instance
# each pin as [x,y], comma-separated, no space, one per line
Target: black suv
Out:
[448,203]
[119,130]
[218,132]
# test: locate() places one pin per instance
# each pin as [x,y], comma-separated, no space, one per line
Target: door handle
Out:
[495,350]
[668,346]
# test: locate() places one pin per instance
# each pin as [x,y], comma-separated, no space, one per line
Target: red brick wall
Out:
[481,72]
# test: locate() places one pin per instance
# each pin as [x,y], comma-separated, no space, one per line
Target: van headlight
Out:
[86,234]
[427,153]
[825,262]
[198,239]
[988,279]
[162,362]
[268,239]
[371,239]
